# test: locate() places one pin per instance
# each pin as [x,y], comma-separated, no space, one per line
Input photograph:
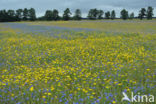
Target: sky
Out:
[84,5]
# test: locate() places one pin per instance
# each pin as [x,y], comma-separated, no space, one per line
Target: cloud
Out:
[42,5]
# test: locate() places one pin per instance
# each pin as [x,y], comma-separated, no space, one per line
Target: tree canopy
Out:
[95,14]
[53,15]
[131,16]
[150,12]
[77,15]
[124,14]
[113,15]
[107,15]
[67,14]
[142,13]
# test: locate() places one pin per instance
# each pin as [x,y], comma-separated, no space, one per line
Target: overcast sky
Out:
[42,5]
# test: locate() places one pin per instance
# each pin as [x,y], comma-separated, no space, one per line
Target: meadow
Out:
[83,62]
[110,26]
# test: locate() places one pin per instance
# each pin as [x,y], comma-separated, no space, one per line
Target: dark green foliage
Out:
[11,15]
[66,15]
[42,18]
[107,15]
[7,16]
[92,14]
[95,14]
[131,16]
[142,13]
[100,14]
[113,14]
[4,16]
[32,14]
[77,15]
[25,14]
[150,13]
[48,15]
[19,14]
[124,14]
[51,15]
[55,15]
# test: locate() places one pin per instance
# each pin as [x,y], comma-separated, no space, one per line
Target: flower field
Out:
[75,67]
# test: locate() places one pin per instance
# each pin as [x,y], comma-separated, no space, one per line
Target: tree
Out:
[124,14]
[107,15]
[77,15]
[11,15]
[150,13]
[90,14]
[48,15]
[42,18]
[142,13]
[4,16]
[100,14]
[19,14]
[55,15]
[32,14]
[131,16]
[25,14]
[113,15]
[93,14]
[66,15]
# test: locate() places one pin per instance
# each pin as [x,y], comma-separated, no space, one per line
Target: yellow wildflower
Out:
[32,88]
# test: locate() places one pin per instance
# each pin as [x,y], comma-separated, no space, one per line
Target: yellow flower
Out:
[128,89]
[114,102]
[32,88]
[84,90]
[107,87]
[52,88]
[148,69]
[49,94]
[119,84]
[103,71]
[115,82]
[43,96]
[93,93]
[59,84]
[91,97]
[94,83]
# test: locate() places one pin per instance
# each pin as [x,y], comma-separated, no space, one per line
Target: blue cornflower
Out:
[60,100]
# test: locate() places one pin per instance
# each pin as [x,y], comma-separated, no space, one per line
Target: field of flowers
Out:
[116,26]
[75,67]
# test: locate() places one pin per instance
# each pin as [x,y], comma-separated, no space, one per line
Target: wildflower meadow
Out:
[89,65]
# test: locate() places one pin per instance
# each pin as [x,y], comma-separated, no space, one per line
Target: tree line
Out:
[53,15]
[18,15]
